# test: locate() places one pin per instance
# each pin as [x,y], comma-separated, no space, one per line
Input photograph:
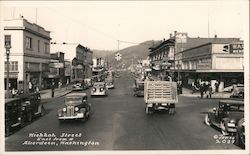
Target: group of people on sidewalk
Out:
[204,87]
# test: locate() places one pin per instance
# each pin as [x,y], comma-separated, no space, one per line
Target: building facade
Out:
[56,70]
[214,62]
[162,58]
[190,59]
[29,53]
[80,59]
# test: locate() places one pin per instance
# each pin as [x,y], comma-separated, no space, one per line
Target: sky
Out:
[100,24]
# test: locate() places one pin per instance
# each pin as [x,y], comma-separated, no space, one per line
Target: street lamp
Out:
[7,44]
[178,67]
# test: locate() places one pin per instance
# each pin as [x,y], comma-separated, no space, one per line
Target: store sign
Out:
[56,65]
[236,48]
[205,64]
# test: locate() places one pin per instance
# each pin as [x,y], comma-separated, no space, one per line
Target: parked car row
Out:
[22,109]
[229,118]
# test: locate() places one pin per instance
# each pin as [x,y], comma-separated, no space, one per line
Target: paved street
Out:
[119,122]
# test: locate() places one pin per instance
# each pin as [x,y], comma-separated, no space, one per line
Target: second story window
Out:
[46,47]
[28,43]
[13,66]
[38,45]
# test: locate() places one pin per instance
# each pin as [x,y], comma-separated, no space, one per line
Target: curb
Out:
[45,100]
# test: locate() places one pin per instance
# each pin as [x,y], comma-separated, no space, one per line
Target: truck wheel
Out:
[149,110]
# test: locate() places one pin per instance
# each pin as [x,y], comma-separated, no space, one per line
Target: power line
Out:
[87,26]
[100,32]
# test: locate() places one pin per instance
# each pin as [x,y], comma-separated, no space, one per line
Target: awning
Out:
[157,67]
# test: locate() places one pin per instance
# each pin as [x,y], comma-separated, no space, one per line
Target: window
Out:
[13,66]
[46,47]
[38,45]
[28,43]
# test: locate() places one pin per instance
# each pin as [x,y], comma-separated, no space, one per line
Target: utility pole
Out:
[7,44]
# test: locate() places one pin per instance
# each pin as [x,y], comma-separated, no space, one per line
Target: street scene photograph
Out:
[124,77]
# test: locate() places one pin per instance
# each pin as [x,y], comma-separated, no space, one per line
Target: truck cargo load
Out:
[160,95]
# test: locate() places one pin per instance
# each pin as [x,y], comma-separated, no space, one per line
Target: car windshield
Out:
[236,108]
[73,100]
[99,85]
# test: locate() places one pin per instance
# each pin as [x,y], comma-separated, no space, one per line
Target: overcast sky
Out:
[98,25]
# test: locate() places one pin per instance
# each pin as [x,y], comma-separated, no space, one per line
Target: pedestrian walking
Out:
[52,89]
[206,89]
[216,86]
[202,89]
[210,89]
[30,87]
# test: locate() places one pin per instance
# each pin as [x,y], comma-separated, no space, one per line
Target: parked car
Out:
[240,134]
[78,87]
[99,89]
[76,107]
[32,106]
[238,92]
[88,82]
[226,116]
[13,114]
[22,109]
[109,82]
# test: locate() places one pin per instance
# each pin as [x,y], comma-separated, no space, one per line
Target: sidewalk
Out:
[46,94]
[188,93]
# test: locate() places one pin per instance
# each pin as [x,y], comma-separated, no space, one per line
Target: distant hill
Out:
[133,53]
[102,53]
[129,55]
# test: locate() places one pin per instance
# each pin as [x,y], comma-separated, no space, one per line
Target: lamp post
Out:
[7,45]
[178,67]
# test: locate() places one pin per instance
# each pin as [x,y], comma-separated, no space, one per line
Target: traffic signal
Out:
[226,48]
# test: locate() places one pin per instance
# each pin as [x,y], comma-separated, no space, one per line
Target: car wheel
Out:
[42,111]
[240,137]
[207,120]
[223,129]
[29,117]
[7,130]
[22,122]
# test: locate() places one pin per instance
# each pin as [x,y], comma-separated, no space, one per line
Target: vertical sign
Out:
[7,41]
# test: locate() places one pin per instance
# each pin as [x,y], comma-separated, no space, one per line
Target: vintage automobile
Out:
[99,89]
[238,92]
[240,134]
[226,116]
[32,106]
[139,88]
[78,86]
[88,82]
[109,82]
[22,109]
[13,114]
[76,107]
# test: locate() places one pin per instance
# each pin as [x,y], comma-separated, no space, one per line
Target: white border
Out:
[69,3]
